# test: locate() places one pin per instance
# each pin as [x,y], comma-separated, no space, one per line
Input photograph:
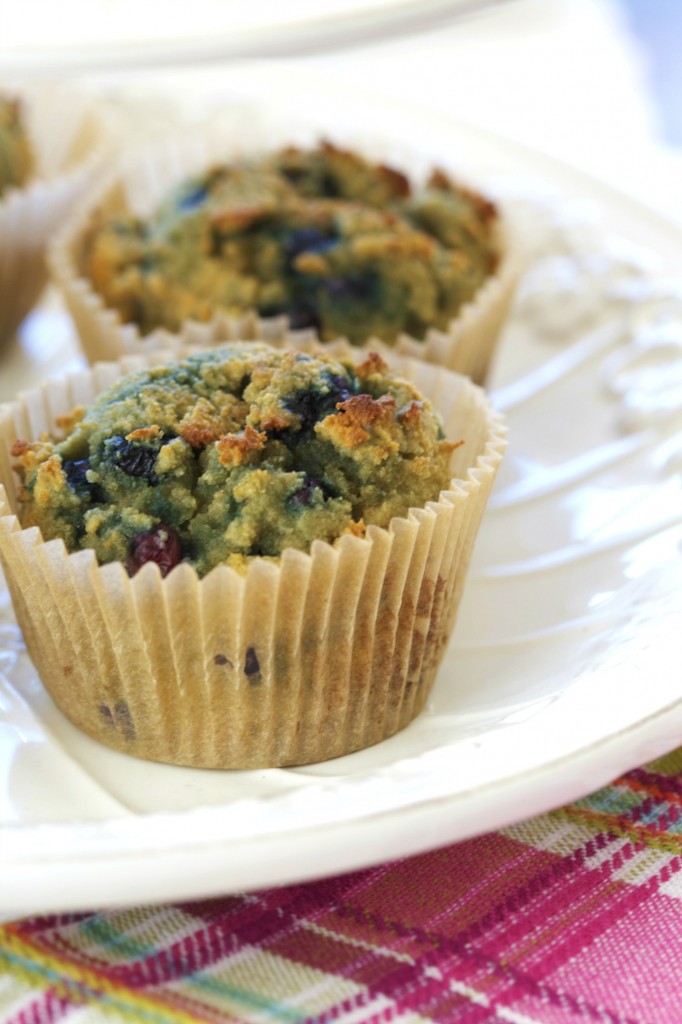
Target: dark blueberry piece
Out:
[294,174]
[340,389]
[193,198]
[75,472]
[336,287]
[221,659]
[348,289]
[307,240]
[303,497]
[116,443]
[140,462]
[305,405]
[251,665]
[313,406]
[76,476]
[303,314]
[123,720]
[161,545]
[105,712]
[330,186]
[134,459]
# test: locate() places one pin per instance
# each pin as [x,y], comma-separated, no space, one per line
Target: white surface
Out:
[90,35]
[563,76]
[564,668]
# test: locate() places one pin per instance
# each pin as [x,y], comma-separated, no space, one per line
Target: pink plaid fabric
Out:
[570,917]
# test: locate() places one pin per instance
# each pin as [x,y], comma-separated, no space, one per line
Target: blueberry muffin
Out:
[235,453]
[51,141]
[316,240]
[322,236]
[16,160]
[336,512]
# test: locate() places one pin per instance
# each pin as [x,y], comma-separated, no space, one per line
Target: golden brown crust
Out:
[50,480]
[399,182]
[206,423]
[350,428]
[234,449]
[20,448]
[145,433]
[71,419]
[275,421]
[372,364]
[412,414]
[356,528]
[486,209]
[237,218]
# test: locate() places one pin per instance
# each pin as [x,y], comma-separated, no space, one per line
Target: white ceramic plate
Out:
[103,35]
[564,667]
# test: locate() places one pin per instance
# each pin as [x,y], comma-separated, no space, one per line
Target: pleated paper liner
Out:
[316,656]
[69,137]
[139,184]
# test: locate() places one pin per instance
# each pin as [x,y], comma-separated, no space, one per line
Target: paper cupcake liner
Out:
[69,138]
[140,184]
[315,656]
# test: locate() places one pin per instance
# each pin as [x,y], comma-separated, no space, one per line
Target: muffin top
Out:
[231,454]
[323,236]
[15,151]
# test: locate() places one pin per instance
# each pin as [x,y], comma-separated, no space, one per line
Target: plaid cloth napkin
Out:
[572,916]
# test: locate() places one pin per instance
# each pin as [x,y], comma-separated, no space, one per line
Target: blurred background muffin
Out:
[15,152]
[52,139]
[322,236]
[330,240]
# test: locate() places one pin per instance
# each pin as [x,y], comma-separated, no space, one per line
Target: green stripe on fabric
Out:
[98,929]
[612,801]
[613,824]
[81,993]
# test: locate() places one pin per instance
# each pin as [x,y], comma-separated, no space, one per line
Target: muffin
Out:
[321,236]
[51,141]
[246,558]
[335,243]
[16,158]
